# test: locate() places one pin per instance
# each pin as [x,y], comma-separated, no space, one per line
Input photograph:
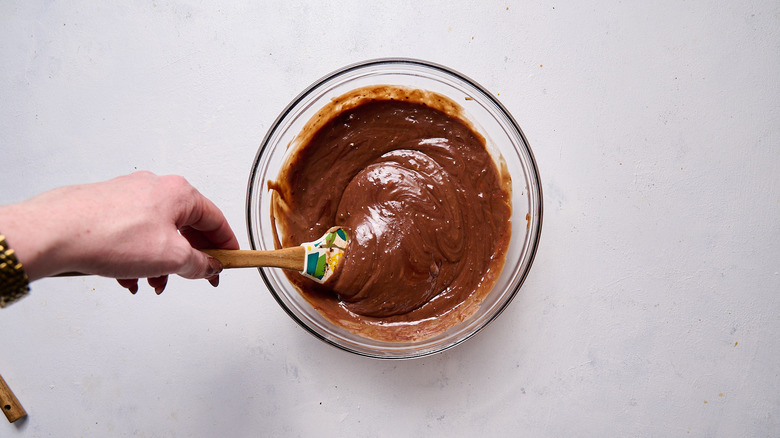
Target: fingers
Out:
[211,229]
[158,283]
[203,225]
[198,265]
[197,239]
[130,284]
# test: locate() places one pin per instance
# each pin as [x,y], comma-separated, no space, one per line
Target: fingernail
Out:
[215,267]
[214,280]
[159,289]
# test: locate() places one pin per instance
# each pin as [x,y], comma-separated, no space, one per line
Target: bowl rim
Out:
[532,165]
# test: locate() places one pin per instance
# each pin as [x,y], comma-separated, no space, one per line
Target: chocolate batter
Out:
[427,208]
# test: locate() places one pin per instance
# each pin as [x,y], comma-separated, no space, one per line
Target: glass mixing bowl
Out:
[502,135]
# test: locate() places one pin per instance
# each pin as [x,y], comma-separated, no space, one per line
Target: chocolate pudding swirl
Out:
[427,209]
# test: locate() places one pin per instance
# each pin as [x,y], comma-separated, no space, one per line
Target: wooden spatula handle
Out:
[11,407]
[287,258]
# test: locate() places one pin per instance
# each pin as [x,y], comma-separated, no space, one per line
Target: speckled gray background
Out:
[651,310]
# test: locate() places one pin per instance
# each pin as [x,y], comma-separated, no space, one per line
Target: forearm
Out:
[35,236]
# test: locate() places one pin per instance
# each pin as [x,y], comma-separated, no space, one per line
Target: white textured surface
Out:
[651,310]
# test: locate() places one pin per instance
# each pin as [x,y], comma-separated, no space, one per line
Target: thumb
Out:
[200,265]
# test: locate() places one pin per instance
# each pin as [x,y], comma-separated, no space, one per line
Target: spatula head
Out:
[324,254]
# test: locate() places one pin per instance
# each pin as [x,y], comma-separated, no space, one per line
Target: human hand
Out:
[134,226]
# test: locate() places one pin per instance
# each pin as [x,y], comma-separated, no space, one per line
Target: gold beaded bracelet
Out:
[14,283]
